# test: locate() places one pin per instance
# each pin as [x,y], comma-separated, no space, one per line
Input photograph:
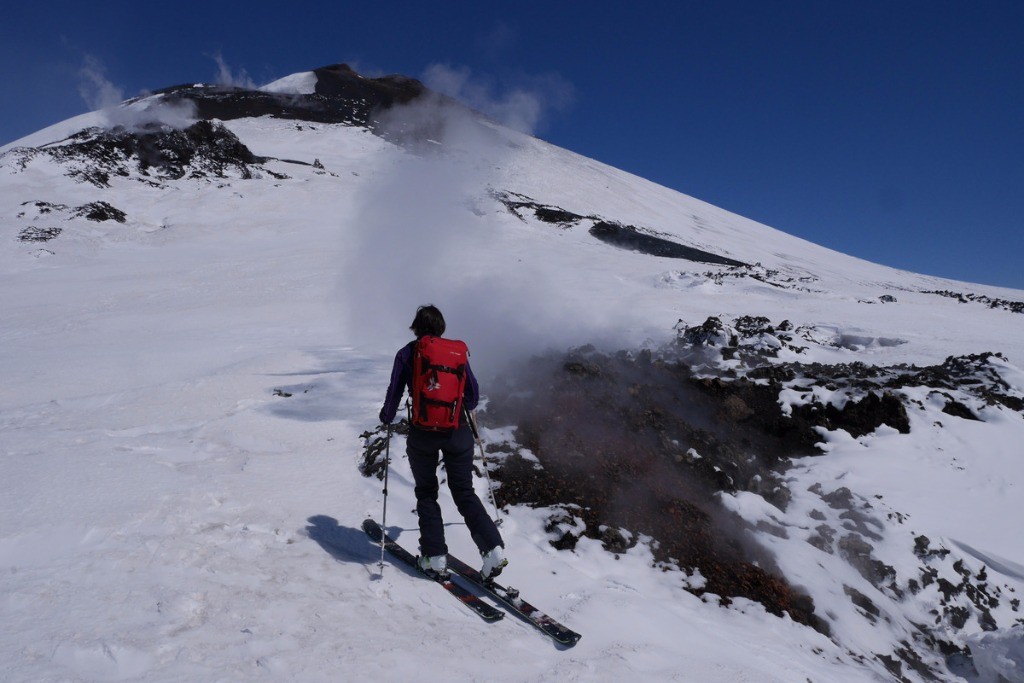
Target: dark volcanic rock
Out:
[631,441]
[975,374]
[34,234]
[957,409]
[94,211]
[1004,304]
[635,239]
[519,204]
[101,211]
[204,149]
[858,553]
[769,276]
[375,446]
[640,444]
[610,232]
[712,332]
[341,96]
[858,417]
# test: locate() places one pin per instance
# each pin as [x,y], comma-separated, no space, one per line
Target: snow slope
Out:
[184,394]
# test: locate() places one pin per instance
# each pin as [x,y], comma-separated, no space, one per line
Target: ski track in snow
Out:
[167,513]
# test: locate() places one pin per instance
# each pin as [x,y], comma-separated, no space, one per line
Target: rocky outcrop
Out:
[152,155]
[613,233]
[341,96]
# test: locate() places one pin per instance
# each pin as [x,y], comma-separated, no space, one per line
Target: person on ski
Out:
[425,447]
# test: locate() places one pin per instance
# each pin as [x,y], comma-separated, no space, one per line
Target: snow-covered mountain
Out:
[760,460]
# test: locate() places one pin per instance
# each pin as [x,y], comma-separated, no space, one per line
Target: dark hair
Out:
[428,321]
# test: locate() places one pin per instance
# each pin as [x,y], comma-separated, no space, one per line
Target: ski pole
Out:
[384,516]
[471,418]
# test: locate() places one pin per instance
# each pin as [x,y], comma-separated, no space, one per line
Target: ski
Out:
[510,598]
[485,611]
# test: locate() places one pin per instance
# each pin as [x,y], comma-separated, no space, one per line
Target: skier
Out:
[441,428]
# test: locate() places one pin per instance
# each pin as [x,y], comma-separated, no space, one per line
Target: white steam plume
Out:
[102,95]
[414,237]
[95,88]
[523,107]
[428,231]
[227,77]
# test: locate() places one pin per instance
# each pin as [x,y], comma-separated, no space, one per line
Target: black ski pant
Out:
[424,449]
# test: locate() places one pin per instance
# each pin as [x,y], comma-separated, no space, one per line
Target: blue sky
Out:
[891,130]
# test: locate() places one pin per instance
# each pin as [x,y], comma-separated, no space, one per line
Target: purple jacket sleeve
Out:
[401,376]
[471,394]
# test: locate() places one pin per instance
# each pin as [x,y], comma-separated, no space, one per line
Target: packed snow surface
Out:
[303,83]
[183,396]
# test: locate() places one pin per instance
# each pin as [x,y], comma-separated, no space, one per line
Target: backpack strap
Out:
[458,372]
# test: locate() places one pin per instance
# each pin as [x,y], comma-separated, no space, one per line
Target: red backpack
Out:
[438,382]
